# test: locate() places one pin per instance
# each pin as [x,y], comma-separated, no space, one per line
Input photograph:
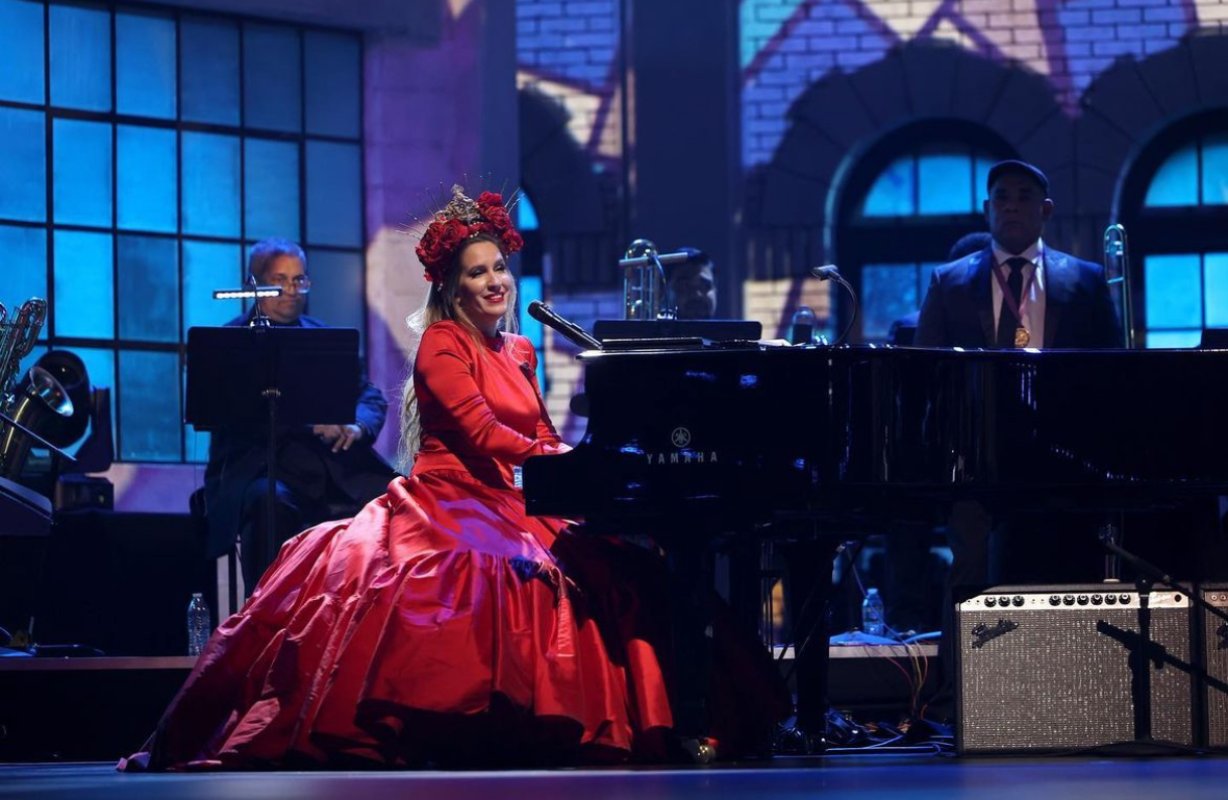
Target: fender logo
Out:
[983,634]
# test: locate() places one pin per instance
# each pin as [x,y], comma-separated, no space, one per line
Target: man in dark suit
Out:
[322,470]
[1018,292]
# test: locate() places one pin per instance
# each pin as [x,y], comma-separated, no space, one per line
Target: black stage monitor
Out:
[314,373]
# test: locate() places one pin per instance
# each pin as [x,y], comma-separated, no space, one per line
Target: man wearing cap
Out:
[1018,292]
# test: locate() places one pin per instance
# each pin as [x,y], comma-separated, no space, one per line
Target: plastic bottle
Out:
[199,624]
[802,328]
[872,613]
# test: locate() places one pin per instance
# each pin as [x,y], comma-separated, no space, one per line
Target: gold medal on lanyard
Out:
[1022,337]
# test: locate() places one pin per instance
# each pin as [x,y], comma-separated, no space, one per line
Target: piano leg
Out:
[809,592]
[691,581]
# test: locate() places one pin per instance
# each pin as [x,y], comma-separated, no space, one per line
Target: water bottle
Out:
[802,330]
[199,624]
[872,613]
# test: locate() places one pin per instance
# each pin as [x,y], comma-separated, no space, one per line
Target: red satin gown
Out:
[438,626]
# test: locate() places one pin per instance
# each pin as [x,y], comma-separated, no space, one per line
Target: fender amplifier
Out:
[1215,688]
[1053,668]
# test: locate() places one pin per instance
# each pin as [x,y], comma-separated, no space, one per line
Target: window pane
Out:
[23,169]
[888,292]
[208,266]
[21,51]
[80,57]
[272,82]
[147,179]
[1215,170]
[893,191]
[270,189]
[210,170]
[148,289]
[982,181]
[1176,182]
[195,445]
[1215,277]
[526,214]
[209,76]
[145,65]
[82,172]
[1174,339]
[336,289]
[333,65]
[1173,290]
[946,184]
[100,366]
[24,251]
[334,194]
[84,300]
[149,418]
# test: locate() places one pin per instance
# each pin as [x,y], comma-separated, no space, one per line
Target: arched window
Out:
[1175,207]
[906,201]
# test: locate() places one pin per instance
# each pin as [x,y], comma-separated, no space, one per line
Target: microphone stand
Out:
[1147,577]
[830,272]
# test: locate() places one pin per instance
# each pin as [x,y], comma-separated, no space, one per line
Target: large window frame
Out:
[330,163]
[1171,231]
[920,239]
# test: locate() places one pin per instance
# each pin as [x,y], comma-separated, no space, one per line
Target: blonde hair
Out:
[440,305]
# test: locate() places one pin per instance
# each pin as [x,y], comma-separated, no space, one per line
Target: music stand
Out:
[257,378]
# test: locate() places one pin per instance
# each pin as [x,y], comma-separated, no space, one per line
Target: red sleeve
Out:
[545,428]
[445,368]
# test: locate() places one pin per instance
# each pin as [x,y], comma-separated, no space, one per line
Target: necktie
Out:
[1007,321]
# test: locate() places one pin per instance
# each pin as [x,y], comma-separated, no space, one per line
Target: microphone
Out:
[829,272]
[569,330]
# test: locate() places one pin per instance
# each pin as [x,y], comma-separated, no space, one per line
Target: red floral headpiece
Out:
[462,219]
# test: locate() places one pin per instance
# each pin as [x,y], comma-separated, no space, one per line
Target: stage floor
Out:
[827,777]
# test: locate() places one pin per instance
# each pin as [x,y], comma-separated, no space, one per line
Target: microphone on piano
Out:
[829,272]
[566,328]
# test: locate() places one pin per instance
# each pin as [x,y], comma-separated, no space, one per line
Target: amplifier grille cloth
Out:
[1061,680]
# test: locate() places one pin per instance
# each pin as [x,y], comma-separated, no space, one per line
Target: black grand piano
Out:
[688,443]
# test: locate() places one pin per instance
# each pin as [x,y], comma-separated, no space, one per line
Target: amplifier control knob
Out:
[1082,599]
[1111,599]
[990,602]
[1097,599]
[1017,600]
[1055,600]
[1068,600]
[1004,601]
[1124,599]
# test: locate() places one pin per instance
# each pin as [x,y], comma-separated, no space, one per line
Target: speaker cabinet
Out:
[1054,668]
[1215,646]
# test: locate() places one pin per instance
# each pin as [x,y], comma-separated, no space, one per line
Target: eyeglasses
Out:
[300,283]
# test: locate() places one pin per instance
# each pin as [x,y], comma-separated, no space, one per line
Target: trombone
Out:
[1117,272]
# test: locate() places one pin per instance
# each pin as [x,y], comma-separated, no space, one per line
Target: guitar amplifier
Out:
[1055,668]
[1215,646]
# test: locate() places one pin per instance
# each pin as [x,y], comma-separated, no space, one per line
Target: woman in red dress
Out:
[441,625]
[437,626]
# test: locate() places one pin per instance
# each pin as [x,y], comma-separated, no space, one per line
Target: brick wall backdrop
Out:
[568,50]
[787,45]
[1078,86]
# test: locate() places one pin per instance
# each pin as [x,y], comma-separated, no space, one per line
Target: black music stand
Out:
[259,378]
